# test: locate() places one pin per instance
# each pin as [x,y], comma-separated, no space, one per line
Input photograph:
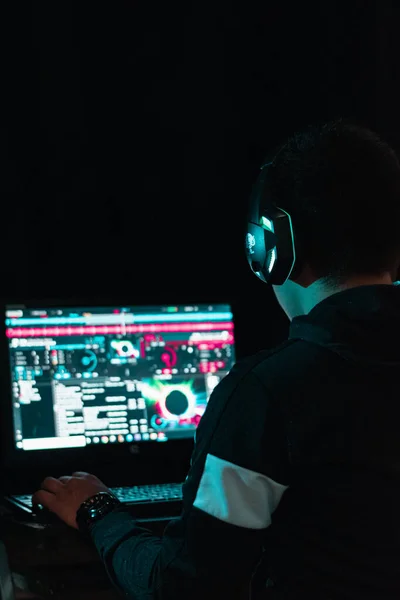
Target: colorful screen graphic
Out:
[86,376]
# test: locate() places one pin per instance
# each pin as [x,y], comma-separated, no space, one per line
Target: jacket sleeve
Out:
[237,477]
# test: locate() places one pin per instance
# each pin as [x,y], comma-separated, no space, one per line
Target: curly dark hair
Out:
[340,182]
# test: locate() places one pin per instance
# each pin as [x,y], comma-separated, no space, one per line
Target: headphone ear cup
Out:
[259,244]
[270,247]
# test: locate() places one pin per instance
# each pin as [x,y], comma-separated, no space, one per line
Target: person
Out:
[294,484]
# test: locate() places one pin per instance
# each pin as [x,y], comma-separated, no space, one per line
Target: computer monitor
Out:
[95,375]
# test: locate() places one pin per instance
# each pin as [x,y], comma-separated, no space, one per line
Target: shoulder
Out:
[244,395]
[256,387]
[253,374]
[268,366]
[266,359]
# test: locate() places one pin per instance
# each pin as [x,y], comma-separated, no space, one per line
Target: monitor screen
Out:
[85,376]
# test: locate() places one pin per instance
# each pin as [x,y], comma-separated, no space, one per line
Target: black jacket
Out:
[294,487]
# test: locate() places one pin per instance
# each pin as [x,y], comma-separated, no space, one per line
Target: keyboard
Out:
[164,492]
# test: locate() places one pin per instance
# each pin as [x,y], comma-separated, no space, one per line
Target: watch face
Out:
[101,500]
[94,508]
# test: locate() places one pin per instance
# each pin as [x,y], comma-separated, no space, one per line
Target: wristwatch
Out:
[94,509]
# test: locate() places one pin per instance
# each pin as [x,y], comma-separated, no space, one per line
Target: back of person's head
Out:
[340,183]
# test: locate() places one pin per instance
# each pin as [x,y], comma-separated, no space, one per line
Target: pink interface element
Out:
[22,332]
[169,357]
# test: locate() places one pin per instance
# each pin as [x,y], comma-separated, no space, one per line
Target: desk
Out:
[55,561]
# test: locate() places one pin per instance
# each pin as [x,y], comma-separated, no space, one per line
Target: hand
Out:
[64,496]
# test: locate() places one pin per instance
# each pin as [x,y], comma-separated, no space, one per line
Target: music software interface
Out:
[104,376]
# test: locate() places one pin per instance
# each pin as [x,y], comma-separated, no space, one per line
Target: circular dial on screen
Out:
[88,360]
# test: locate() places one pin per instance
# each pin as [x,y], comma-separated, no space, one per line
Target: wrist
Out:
[94,509]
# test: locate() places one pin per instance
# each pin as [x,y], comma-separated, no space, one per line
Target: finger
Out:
[46,499]
[50,484]
[80,474]
[65,478]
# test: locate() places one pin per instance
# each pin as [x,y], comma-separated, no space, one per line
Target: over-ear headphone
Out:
[270,239]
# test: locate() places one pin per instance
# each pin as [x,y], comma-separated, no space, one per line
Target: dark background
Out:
[134,132]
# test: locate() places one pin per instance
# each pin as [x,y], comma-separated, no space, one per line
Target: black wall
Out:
[135,130]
